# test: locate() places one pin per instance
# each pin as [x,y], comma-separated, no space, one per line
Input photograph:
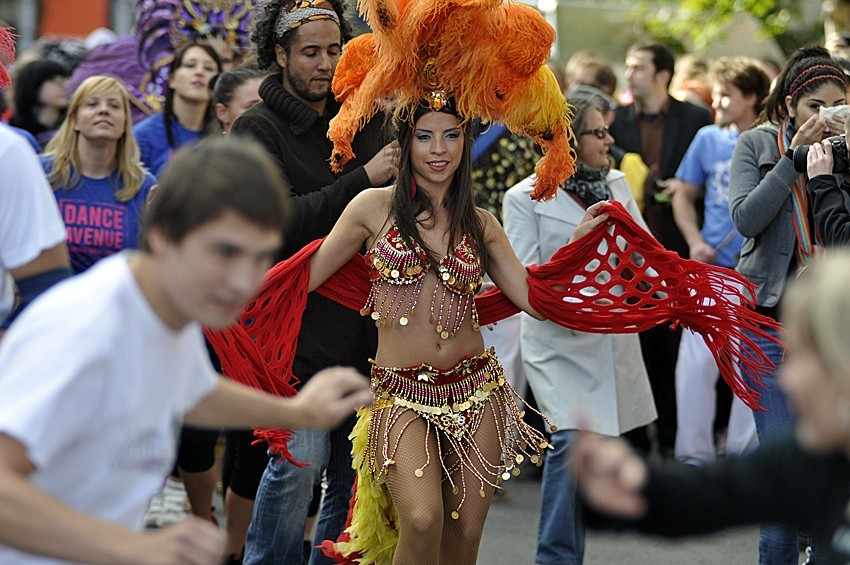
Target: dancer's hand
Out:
[330,397]
[590,220]
[610,475]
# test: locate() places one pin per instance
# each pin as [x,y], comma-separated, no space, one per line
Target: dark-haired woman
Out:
[431,468]
[41,99]
[187,112]
[770,208]
[234,92]
[187,116]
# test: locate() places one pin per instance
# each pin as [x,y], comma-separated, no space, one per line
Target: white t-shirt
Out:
[95,386]
[29,217]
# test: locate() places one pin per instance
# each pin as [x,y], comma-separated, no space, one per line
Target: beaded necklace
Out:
[402,268]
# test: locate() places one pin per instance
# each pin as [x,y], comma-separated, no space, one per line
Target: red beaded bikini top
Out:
[395,262]
[403,268]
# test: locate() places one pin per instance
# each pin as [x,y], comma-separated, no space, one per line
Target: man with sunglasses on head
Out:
[659,128]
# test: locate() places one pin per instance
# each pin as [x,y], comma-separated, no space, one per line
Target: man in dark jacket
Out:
[659,128]
[302,43]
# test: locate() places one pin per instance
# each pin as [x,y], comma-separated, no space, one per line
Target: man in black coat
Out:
[302,45]
[659,128]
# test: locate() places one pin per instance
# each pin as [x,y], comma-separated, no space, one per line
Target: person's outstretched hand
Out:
[330,397]
[610,475]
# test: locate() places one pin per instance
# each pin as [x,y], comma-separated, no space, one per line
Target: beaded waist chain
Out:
[432,391]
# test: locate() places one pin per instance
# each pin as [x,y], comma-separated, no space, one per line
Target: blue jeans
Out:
[777,543]
[276,534]
[560,537]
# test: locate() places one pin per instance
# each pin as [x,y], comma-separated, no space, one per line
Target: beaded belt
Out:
[433,391]
[453,402]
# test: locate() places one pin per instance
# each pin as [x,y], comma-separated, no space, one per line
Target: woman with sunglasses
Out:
[570,371]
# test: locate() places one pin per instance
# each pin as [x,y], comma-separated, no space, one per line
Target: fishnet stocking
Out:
[462,537]
[425,504]
[418,499]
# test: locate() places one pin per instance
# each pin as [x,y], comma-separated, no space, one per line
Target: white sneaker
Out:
[168,507]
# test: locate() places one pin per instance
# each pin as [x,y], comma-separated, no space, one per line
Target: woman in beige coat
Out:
[580,380]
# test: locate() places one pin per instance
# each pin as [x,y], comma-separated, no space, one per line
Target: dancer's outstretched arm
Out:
[507,271]
[357,224]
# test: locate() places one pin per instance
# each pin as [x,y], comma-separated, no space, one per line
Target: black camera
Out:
[840,160]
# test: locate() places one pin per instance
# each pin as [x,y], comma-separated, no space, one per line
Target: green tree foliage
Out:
[688,25]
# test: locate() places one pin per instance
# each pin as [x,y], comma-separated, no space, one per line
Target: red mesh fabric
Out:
[258,350]
[617,279]
[7,54]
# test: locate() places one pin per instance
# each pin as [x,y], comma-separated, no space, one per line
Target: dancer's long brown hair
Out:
[460,201]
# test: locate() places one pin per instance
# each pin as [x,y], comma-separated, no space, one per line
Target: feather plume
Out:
[488,55]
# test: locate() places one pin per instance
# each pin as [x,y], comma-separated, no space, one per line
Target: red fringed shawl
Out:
[617,279]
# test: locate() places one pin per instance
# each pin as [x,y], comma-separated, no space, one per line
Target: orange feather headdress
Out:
[488,55]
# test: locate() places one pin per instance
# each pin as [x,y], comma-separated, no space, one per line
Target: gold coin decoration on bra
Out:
[403,321]
[455,515]
[418,472]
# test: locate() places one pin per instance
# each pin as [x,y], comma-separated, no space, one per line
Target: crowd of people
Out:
[136,226]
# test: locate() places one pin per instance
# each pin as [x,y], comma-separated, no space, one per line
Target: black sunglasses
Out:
[599,132]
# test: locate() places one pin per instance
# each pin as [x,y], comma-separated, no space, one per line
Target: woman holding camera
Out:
[770,208]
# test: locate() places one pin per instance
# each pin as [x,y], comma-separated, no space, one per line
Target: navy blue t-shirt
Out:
[97,224]
[153,143]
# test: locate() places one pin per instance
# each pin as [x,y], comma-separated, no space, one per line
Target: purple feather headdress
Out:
[119,60]
[164,25]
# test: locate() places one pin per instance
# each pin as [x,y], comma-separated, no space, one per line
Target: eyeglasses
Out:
[599,132]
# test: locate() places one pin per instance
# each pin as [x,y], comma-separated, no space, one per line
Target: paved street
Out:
[511,529]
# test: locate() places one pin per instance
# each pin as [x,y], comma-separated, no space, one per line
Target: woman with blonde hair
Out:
[93,166]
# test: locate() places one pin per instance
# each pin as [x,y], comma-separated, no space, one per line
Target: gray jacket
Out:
[760,182]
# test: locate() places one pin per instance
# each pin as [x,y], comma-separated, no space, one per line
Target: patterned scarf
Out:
[589,184]
[808,241]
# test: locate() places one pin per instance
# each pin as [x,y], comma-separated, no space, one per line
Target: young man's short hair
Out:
[662,57]
[218,175]
[745,74]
